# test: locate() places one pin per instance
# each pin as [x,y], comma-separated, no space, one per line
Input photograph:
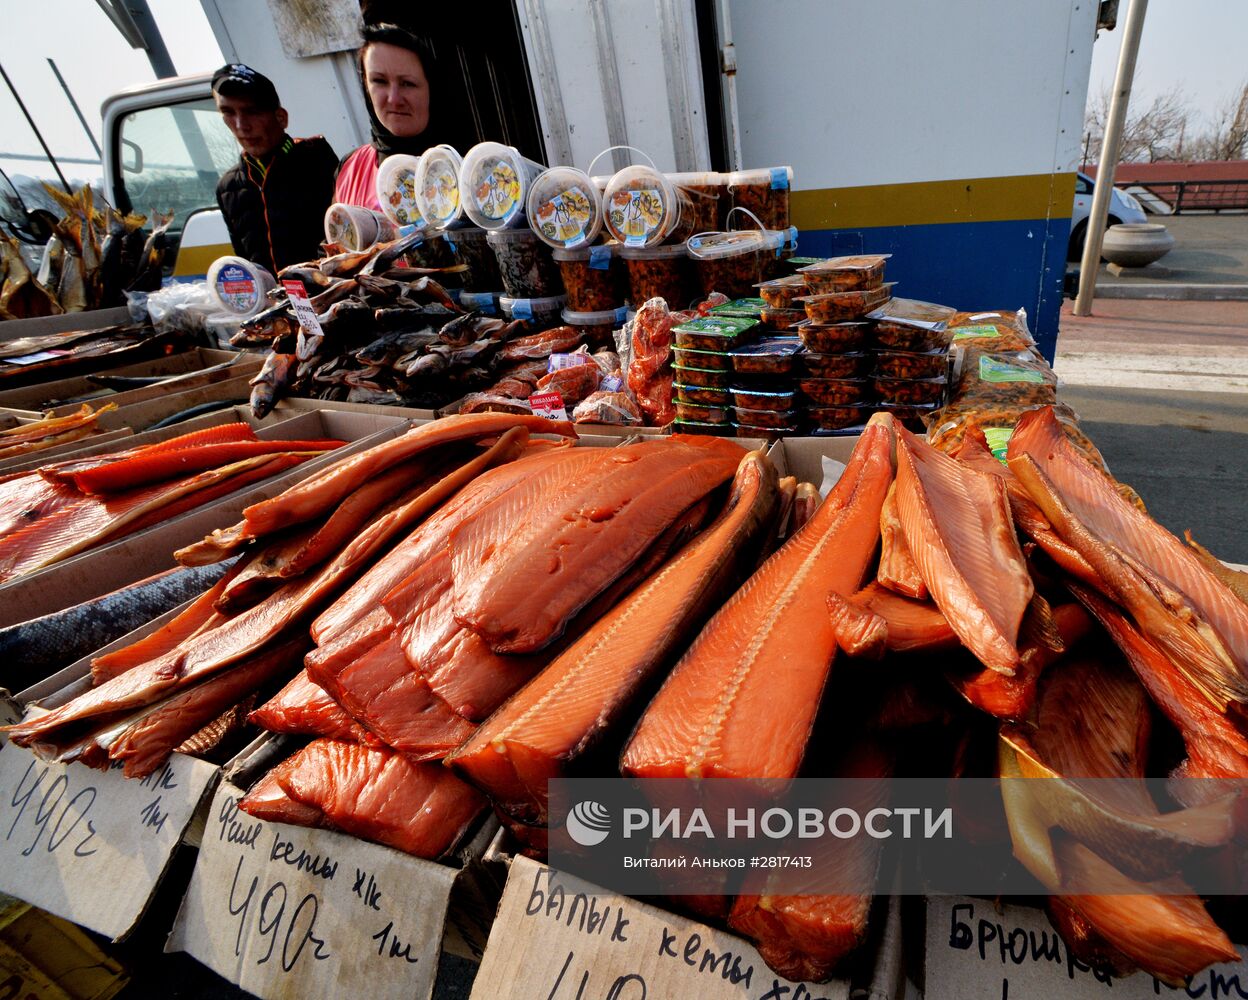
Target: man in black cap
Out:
[274,199]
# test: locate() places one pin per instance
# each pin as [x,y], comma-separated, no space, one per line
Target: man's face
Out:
[257,130]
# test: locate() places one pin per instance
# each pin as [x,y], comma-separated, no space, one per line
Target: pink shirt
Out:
[357,180]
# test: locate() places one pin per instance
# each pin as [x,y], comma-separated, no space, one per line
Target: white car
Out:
[1122,208]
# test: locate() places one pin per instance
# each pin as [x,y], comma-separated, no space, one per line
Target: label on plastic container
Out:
[600,258]
[979,316]
[560,361]
[479,301]
[521,309]
[565,217]
[998,439]
[497,192]
[974,331]
[441,191]
[779,178]
[992,370]
[636,215]
[237,288]
[549,405]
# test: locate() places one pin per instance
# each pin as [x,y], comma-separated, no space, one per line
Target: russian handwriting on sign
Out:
[288,911]
[609,947]
[975,950]
[87,845]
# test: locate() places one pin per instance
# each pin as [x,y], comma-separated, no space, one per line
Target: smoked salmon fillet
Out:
[63,471]
[529,561]
[957,525]
[375,794]
[877,620]
[580,697]
[742,700]
[303,707]
[897,570]
[28,498]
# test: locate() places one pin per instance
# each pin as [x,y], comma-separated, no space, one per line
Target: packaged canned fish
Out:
[765,192]
[847,365]
[525,264]
[835,418]
[717,361]
[839,307]
[437,186]
[753,308]
[702,378]
[732,262]
[780,293]
[906,364]
[598,327]
[782,319]
[757,399]
[719,398]
[702,413]
[704,202]
[641,207]
[593,277]
[713,333]
[845,274]
[540,313]
[474,251]
[565,208]
[396,190]
[770,420]
[659,272]
[495,181]
[910,390]
[836,392]
[771,356]
[834,338]
[911,325]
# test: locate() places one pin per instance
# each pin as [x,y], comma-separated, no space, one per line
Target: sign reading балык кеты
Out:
[286,911]
[92,846]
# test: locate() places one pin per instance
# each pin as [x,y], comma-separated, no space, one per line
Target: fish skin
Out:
[897,570]
[517,585]
[378,795]
[269,384]
[707,719]
[957,525]
[1236,579]
[576,701]
[303,707]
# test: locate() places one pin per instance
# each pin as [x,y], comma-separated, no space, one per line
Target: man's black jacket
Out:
[275,208]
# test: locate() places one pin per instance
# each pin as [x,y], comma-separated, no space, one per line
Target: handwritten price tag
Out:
[548,405]
[286,911]
[91,846]
[595,944]
[302,306]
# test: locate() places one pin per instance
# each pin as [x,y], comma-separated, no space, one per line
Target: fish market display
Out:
[50,432]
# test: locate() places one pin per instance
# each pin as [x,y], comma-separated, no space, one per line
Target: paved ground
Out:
[1208,250]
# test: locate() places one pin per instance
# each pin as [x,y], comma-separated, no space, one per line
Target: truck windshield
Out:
[172,157]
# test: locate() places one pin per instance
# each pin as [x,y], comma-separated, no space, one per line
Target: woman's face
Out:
[397,87]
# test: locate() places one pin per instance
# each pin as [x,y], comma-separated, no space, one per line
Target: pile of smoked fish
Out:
[67,506]
[471,612]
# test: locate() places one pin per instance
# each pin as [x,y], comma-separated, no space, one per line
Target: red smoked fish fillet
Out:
[742,700]
[576,700]
[897,570]
[957,524]
[302,707]
[530,560]
[64,470]
[28,498]
[375,794]
[877,620]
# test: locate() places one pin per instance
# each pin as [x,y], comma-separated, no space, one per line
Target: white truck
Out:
[944,134]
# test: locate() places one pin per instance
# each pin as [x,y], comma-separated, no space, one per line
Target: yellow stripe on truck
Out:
[979,199]
[195,261]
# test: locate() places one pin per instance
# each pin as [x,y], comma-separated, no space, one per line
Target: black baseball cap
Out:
[237,80]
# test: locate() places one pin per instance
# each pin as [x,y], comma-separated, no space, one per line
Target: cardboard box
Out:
[45,958]
[406,412]
[133,557]
[812,459]
[93,319]
[34,400]
[288,911]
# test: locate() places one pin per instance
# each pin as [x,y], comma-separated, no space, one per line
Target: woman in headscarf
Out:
[401,85]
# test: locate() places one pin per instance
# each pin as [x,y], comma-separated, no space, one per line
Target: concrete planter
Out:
[1136,245]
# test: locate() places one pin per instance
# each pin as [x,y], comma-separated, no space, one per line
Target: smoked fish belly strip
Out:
[743,699]
[877,619]
[958,527]
[518,583]
[305,708]
[378,795]
[897,570]
[578,699]
[250,630]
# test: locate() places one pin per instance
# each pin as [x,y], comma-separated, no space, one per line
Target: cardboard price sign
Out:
[549,405]
[973,950]
[92,846]
[303,308]
[284,911]
[560,938]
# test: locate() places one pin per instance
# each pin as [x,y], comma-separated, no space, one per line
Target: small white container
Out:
[437,186]
[239,287]
[565,208]
[354,228]
[396,190]
[495,181]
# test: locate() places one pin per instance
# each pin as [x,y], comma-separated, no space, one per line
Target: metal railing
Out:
[1198,196]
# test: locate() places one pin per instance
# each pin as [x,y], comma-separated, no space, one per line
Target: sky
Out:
[1194,44]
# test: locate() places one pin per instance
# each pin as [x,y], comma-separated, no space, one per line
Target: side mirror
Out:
[131,156]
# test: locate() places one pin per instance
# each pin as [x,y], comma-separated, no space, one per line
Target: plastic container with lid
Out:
[433,251]
[396,190]
[847,365]
[699,427]
[593,276]
[702,413]
[663,272]
[838,307]
[835,418]
[239,287]
[836,392]
[641,207]
[834,338]
[765,192]
[494,182]
[771,356]
[911,325]
[706,395]
[702,378]
[914,415]
[910,390]
[780,293]
[782,319]
[598,327]
[845,274]
[906,364]
[437,186]
[354,228]
[482,302]
[564,207]
[713,333]
[473,249]
[704,202]
[758,399]
[731,262]
[541,313]
[716,361]
[525,264]
[740,307]
[772,421]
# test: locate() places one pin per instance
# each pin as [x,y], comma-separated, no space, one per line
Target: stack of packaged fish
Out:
[66,507]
